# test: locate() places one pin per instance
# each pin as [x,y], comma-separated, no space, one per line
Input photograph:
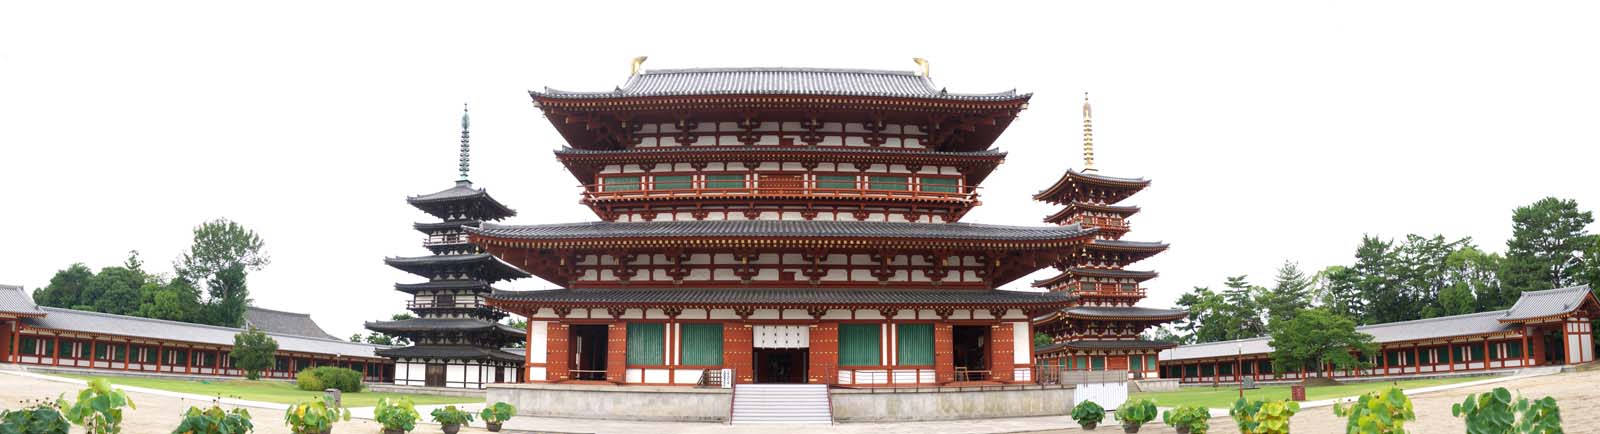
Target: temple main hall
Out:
[786,225]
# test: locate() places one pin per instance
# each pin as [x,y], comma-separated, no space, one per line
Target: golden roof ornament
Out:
[638,65]
[922,63]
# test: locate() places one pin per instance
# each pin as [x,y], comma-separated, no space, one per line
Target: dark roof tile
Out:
[781,81]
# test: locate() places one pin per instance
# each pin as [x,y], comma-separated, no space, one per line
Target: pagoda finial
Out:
[922,63]
[638,64]
[466,147]
[1088,136]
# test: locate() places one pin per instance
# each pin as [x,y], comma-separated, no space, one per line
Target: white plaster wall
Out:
[539,333]
[1022,340]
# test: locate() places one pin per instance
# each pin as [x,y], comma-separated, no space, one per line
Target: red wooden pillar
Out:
[1450,355]
[1486,354]
[738,341]
[188,360]
[944,357]
[527,351]
[94,343]
[1385,355]
[1527,353]
[1416,358]
[1002,352]
[558,353]
[127,354]
[824,354]
[56,359]
[617,352]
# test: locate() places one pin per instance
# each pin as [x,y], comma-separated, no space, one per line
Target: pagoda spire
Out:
[466,146]
[1088,136]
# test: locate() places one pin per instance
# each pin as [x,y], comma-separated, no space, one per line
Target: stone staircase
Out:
[781,404]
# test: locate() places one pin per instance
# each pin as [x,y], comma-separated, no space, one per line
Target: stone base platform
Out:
[870,404]
[596,401]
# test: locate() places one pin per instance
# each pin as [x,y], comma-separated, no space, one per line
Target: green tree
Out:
[1336,292]
[115,290]
[1315,338]
[1472,278]
[222,255]
[1546,249]
[252,352]
[1040,339]
[1421,267]
[1242,303]
[1379,284]
[174,300]
[1208,319]
[1289,293]
[65,288]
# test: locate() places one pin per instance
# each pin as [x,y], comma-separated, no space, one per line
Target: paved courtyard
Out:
[1577,393]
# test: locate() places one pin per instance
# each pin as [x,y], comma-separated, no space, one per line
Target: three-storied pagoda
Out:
[793,225]
[456,338]
[1100,331]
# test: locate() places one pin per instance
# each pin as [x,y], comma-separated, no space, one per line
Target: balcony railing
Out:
[779,188]
[431,304]
[444,240]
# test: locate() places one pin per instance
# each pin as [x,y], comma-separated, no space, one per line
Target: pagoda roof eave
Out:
[1078,206]
[463,191]
[495,269]
[1106,344]
[777,233]
[1060,193]
[1093,272]
[1112,313]
[777,82]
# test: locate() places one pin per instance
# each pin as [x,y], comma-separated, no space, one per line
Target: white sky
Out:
[1272,130]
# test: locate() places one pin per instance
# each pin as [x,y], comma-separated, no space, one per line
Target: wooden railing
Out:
[432,304]
[792,188]
[441,240]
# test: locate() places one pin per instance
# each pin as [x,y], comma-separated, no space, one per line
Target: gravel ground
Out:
[159,414]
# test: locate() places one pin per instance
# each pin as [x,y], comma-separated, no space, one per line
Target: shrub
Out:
[99,408]
[313,416]
[42,417]
[1263,417]
[498,412]
[1188,417]
[1496,412]
[1379,412]
[215,420]
[1136,412]
[328,377]
[398,414]
[1088,413]
[450,415]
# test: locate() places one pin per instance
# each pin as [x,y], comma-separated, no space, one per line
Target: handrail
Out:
[795,187]
[440,240]
[430,304]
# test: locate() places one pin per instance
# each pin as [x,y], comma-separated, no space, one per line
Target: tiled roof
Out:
[463,191]
[451,352]
[441,284]
[782,228]
[795,297]
[1458,325]
[120,325]
[494,269]
[1097,272]
[15,300]
[1061,190]
[441,324]
[780,81]
[1123,312]
[289,323]
[1550,302]
[1106,345]
[1125,244]
[753,149]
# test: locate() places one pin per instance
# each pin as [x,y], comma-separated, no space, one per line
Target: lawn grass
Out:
[1223,396]
[281,392]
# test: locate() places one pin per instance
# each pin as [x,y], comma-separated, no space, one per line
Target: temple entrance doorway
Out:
[970,345]
[781,365]
[434,375]
[1554,347]
[589,351]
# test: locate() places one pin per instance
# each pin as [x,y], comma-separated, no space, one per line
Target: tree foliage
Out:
[252,352]
[222,255]
[1549,239]
[1290,293]
[1316,338]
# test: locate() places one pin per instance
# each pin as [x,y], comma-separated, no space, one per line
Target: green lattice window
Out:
[620,183]
[888,183]
[646,343]
[1514,350]
[859,345]
[1136,363]
[674,182]
[725,181]
[702,344]
[1097,363]
[841,182]
[939,185]
[914,345]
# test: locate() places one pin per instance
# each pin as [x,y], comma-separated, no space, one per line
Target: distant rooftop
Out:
[782,81]
[289,323]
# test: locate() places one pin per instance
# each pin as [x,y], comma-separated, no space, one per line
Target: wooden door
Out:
[780,184]
[435,376]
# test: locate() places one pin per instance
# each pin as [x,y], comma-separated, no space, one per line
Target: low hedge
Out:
[328,377]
